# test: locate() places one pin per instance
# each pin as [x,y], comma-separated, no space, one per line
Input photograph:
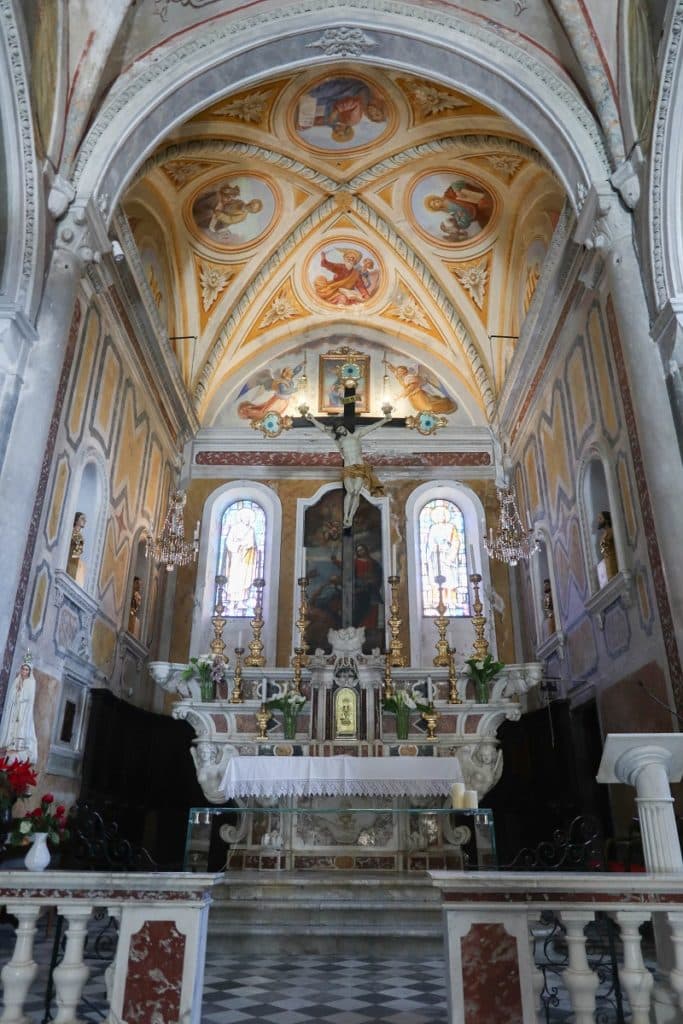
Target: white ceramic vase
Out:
[38,856]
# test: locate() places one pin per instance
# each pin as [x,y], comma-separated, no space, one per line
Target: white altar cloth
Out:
[339,776]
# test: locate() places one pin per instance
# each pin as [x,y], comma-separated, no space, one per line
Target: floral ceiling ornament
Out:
[505,163]
[281,308]
[407,309]
[246,108]
[213,281]
[343,42]
[474,280]
[182,171]
[433,101]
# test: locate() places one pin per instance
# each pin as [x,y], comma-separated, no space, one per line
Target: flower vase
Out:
[481,688]
[38,856]
[207,689]
[289,725]
[402,722]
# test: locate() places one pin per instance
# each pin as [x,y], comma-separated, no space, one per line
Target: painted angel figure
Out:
[268,391]
[423,390]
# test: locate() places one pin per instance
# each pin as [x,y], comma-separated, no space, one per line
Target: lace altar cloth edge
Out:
[339,776]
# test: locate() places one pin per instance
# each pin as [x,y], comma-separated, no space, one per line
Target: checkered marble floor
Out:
[313,989]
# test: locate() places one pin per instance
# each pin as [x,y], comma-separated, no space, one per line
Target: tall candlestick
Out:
[263,690]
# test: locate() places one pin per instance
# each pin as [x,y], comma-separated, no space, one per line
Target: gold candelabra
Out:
[218,621]
[453,695]
[388,690]
[442,623]
[262,717]
[236,695]
[302,621]
[396,645]
[481,645]
[297,663]
[256,658]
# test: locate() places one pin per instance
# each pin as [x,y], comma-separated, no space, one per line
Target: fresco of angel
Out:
[422,389]
[268,391]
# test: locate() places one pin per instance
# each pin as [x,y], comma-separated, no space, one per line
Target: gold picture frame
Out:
[331,380]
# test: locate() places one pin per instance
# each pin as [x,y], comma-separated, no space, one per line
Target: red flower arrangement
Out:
[16,778]
[43,819]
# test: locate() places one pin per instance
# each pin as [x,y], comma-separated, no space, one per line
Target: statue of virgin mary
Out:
[17,728]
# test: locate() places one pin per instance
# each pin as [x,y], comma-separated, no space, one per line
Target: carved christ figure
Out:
[357,473]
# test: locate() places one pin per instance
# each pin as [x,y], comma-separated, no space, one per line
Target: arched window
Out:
[241,557]
[443,555]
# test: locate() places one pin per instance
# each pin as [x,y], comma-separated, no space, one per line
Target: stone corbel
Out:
[83,233]
[625,179]
[603,221]
[61,194]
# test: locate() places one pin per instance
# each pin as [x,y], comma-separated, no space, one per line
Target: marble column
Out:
[605,226]
[649,762]
[25,468]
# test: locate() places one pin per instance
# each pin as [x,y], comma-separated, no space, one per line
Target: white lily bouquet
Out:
[401,704]
[290,703]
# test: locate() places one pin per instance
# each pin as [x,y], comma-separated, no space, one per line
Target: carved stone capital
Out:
[603,222]
[82,233]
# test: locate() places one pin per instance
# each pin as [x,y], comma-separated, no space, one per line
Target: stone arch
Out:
[177,80]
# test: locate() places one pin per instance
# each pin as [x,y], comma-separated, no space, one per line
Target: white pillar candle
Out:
[438,560]
[264,690]
[457,794]
[394,561]
[472,565]
[430,690]
[239,638]
[470,800]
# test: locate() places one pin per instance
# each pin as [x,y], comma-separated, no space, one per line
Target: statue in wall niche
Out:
[548,609]
[135,605]
[607,566]
[75,566]
[17,728]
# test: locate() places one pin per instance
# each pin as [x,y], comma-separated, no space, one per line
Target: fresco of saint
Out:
[341,112]
[235,211]
[350,276]
[451,210]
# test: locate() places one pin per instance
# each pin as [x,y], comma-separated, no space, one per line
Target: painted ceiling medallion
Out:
[449,207]
[344,272]
[234,211]
[341,113]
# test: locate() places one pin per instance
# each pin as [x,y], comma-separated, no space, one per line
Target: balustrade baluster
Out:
[635,978]
[676,973]
[581,981]
[115,913]
[18,974]
[71,975]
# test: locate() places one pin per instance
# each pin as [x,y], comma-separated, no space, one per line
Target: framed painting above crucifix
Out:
[335,368]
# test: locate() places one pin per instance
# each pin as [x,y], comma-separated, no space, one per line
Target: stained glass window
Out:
[441,533]
[241,556]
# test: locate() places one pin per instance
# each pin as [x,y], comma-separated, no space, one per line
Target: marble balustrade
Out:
[489,919]
[158,968]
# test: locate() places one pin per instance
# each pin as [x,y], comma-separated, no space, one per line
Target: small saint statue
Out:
[607,566]
[548,609]
[17,729]
[135,604]
[357,473]
[75,566]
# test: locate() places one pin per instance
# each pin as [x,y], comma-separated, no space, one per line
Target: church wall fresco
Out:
[109,423]
[577,406]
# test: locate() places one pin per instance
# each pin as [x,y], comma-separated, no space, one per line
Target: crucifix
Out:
[348,435]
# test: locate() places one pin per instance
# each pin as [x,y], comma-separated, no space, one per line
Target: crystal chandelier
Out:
[511,542]
[171,547]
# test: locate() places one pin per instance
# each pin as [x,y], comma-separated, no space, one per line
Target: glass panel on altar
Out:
[342,834]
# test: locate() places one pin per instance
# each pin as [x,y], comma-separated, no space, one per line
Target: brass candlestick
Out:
[256,659]
[442,623]
[481,645]
[388,690]
[236,695]
[302,621]
[396,645]
[453,695]
[262,717]
[297,663]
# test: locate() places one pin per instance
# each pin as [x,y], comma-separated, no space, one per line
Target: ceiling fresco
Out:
[358,202]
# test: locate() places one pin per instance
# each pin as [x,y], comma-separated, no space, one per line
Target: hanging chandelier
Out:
[511,542]
[171,548]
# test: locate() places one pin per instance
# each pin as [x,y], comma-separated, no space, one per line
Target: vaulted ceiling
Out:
[348,203]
